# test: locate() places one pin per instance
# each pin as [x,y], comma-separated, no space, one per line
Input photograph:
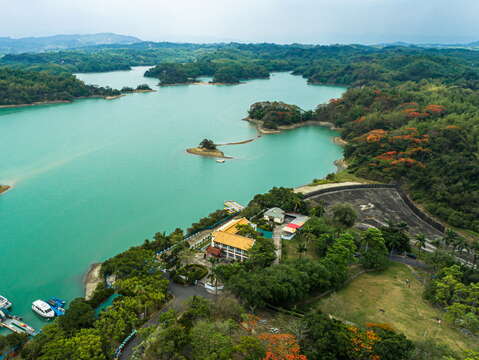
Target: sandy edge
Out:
[209,153]
[91,279]
[5,188]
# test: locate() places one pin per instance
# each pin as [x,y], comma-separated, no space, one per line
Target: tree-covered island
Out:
[207,148]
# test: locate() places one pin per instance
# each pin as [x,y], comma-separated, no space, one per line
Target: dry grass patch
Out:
[385,298]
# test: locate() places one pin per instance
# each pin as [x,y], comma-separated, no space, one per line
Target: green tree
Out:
[344,215]
[77,316]
[374,254]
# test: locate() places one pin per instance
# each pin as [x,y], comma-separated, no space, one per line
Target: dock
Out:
[233,207]
[14,324]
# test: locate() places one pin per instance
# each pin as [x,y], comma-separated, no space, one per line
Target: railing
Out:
[125,342]
[417,211]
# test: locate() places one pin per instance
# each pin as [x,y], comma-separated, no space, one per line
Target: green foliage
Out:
[460,299]
[207,144]
[262,254]
[26,87]
[281,197]
[87,344]
[133,262]
[274,114]
[208,221]
[78,315]
[374,254]
[421,134]
[344,215]
[190,273]
[285,284]
[395,237]
[100,294]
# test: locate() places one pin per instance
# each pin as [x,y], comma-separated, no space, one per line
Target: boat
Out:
[4,303]
[43,309]
[57,305]
[220,161]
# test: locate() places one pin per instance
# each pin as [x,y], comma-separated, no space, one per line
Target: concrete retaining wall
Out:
[418,212]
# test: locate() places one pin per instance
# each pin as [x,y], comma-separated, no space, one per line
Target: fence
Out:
[418,212]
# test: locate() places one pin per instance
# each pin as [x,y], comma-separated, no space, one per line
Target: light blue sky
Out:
[283,21]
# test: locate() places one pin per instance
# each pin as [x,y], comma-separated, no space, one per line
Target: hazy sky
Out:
[283,21]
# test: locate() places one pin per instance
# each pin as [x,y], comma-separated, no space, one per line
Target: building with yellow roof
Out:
[232,245]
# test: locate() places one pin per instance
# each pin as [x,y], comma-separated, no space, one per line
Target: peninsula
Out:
[4,188]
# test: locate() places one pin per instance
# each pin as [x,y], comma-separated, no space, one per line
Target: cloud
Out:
[285,21]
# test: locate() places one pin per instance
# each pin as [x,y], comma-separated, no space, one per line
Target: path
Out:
[277,243]
[180,294]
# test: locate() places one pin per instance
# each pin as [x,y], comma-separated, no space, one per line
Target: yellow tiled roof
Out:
[230,227]
[237,241]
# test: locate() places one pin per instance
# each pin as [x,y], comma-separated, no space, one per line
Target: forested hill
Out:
[26,87]
[56,42]
[424,135]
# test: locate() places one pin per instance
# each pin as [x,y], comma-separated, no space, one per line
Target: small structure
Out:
[289,230]
[213,252]
[232,245]
[275,214]
[232,207]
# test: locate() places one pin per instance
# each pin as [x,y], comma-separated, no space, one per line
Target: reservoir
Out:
[96,176]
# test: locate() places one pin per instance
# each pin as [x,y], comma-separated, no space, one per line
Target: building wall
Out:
[231,252]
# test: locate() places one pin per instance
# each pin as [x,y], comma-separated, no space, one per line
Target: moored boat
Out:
[43,309]
[57,305]
[220,161]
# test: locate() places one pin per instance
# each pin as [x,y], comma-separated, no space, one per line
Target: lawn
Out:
[385,298]
[289,250]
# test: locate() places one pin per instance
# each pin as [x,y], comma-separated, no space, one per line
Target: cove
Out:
[94,177]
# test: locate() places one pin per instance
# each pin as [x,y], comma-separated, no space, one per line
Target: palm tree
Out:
[301,248]
[421,241]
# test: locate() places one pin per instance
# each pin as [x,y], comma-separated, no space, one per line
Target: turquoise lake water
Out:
[94,177]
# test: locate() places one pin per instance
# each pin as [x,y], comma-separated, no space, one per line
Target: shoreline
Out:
[54,102]
[208,153]
[262,130]
[91,279]
[5,188]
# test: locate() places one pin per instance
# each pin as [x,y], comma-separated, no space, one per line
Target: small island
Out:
[223,73]
[207,148]
[4,188]
[139,89]
[270,117]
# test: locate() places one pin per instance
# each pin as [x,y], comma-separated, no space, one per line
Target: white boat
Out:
[43,309]
[4,303]
[220,161]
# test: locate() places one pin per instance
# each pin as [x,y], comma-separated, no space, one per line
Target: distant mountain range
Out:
[470,45]
[61,42]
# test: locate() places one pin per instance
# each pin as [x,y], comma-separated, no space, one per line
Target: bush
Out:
[100,295]
[189,274]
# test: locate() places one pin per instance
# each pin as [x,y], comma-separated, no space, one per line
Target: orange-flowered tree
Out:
[281,347]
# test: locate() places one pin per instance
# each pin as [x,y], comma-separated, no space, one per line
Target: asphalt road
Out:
[180,293]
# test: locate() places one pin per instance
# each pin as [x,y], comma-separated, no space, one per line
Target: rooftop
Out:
[237,241]
[274,212]
[230,226]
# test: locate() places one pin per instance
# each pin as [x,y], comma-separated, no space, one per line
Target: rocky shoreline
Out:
[262,130]
[92,279]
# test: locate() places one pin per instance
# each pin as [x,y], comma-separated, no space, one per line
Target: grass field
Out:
[403,306]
